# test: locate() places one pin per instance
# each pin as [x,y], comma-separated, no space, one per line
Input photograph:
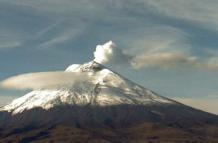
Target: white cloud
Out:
[166,54]
[164,60]
[158,46]
[161,47]
[196,12]
[108,53]
[43,80]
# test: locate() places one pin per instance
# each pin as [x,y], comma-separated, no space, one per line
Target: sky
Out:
[168,46]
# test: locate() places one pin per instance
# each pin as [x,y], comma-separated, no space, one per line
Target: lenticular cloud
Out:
[44,80]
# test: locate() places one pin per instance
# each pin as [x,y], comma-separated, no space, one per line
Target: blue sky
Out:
[50,35]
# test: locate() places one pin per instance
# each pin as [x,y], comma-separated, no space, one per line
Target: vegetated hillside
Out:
[142,133]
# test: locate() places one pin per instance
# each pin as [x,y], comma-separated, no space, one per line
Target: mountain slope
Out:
[107,88]
[105,104]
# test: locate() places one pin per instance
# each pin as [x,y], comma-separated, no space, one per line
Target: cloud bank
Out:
[44,80]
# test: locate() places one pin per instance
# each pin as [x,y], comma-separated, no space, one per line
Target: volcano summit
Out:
[105,104]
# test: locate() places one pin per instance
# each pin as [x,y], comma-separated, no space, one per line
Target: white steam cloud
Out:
[110,54]
[159,57]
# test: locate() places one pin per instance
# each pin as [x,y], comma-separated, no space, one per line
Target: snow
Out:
[73,68]
[107,88]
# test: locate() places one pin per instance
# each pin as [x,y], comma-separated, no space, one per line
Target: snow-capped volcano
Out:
[99,99]
[101,103]
[101,87]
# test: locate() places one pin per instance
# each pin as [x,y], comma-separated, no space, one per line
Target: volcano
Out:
[104,108]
